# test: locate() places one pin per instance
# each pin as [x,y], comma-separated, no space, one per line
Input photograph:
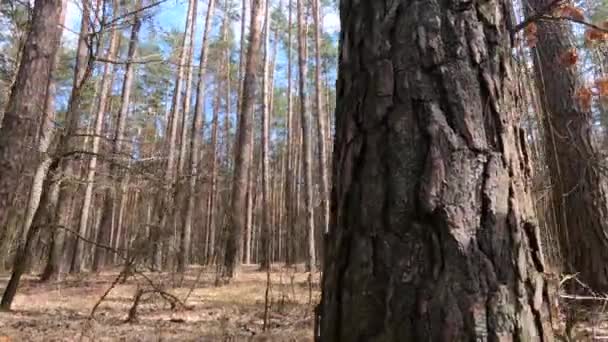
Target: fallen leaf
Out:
[569,58]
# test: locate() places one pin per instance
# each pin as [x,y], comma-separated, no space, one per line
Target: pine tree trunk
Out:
[104,92]
[243,145]
[265,227]
[195,142]
[187,94]
[321,122]
[111,193]
[580,194]
[64,167]
[433,231]
[306,138]
[27,234]
[19,126]
[166,195]
[289,198]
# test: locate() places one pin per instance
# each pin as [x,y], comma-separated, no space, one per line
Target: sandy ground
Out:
[61,310]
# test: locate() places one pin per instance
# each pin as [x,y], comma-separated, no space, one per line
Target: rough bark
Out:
[25,240]
[26,104]
[579,191]
[306,138]
[433,232]
[243,144]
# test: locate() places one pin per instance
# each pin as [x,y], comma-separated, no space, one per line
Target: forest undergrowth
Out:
[173,309]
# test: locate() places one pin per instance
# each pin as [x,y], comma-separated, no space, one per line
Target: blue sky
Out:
[172,14]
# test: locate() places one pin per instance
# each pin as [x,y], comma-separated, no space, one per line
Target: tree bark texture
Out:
[306,137]
[244,144]
[433,234]
[25,108]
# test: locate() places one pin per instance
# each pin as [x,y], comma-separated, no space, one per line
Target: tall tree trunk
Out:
[26,104]
[242,55]
[195,142]
[165,203]
[306,138]
[24,251]
[580,194]
[64,167]
[243,145]
[211,221]
[104,92]
[321,122]
[289,199]
[430,196]
[265,226]
[112,192]
[187,94]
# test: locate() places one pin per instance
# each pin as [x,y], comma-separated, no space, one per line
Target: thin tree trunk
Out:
[321,122]
[104,92]
[430,196]
[195,142]
[242,55]
[289,198]
[165,198]
[211,225]
[306,138]
[187,94]
[265,226]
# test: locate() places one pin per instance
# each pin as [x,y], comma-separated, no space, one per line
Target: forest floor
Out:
[62,310]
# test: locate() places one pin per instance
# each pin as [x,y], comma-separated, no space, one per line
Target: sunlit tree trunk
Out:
[39,58]
[289,150]
[104,92]
[195,142]
[265,226]
[26,106]
[306,138]
[321,121]
[165,199]
[243,144]
[65,165]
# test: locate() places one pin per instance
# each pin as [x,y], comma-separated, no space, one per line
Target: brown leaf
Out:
[594,35]
[584,96]
[530,34]
[569,58]
[570,11]
[602,86]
